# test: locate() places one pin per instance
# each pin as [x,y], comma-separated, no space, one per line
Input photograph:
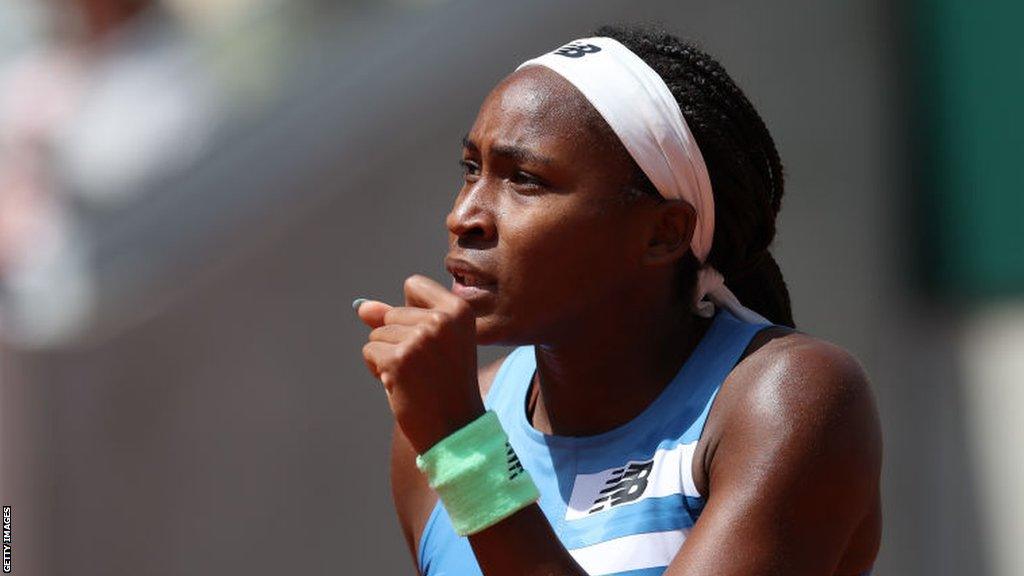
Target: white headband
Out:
[642,112]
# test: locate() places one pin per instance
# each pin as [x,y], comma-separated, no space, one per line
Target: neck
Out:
[607,374]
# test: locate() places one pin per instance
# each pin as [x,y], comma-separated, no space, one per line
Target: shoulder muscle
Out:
[804,402]
[792,461]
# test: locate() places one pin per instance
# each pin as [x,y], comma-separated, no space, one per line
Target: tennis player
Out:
[659,414]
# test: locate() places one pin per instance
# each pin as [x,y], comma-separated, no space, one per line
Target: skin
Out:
[791,454]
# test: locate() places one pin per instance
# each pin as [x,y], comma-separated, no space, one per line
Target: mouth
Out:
[468,281]
[472,281]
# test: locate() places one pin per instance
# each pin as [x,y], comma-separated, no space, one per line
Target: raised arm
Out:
[413,498]
[424,354]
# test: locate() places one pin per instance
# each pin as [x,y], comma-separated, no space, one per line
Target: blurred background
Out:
[193,191]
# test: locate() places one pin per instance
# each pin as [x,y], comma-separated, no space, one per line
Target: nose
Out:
[471,219]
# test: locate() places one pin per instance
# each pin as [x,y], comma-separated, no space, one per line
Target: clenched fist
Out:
[424,353]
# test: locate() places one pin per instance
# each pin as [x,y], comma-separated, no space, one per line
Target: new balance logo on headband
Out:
[577,50]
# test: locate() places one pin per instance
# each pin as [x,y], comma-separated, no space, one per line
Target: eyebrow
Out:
[517,153]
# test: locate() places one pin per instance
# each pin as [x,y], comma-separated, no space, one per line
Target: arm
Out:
[413,498]
[424,354]
[791,469]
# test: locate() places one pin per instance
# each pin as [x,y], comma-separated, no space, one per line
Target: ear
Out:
[670,232]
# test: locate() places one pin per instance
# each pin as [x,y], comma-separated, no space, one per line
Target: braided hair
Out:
[743,164]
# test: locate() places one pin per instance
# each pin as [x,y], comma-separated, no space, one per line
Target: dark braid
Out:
[744,166]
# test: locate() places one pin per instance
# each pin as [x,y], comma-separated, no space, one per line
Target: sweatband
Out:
[478,476]
[639,107]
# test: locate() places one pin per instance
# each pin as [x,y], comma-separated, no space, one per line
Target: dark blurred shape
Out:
[968,65]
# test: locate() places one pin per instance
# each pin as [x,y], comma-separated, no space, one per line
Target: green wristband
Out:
[478,476]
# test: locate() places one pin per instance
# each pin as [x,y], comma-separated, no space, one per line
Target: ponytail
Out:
[761,288]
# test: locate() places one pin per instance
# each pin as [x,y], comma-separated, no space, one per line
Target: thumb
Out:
[371,312]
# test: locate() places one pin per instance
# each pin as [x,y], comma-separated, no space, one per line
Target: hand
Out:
[424,354]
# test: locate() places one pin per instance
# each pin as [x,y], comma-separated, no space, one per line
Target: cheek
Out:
[560,265]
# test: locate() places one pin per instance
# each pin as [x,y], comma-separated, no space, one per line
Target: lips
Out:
[468,274]
[469,281]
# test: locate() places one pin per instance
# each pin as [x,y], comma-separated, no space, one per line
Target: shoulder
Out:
[810,379]
[790,461]
[802,402]
[798,371]
[798,386]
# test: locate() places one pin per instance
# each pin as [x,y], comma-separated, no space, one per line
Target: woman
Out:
[658,402]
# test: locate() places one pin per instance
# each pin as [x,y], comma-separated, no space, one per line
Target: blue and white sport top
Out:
[623,501]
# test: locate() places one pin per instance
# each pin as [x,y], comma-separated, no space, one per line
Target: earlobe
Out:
[670,233]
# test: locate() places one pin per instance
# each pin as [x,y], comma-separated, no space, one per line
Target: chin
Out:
[490,331]
[486,332]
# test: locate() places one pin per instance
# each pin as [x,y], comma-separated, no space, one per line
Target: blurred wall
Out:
[234,429]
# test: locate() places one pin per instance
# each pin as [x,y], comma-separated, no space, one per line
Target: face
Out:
[540,235]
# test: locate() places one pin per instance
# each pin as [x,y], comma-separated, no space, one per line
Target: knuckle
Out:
[403,352]
[411,282]
[400,367]
[425,331]
[438,319]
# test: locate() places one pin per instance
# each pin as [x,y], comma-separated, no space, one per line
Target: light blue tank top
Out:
[622,502]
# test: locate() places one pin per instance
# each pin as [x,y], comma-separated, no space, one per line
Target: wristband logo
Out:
[515,467]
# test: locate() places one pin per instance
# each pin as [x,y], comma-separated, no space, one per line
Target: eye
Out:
[469,168]
[526,179]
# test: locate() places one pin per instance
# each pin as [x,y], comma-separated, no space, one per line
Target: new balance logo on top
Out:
[625,485]
[665,473]
[515,467]
[575,50]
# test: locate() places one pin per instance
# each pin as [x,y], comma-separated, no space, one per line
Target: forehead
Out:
[535,105]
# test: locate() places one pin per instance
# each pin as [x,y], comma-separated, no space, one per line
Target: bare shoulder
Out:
[804,376]
[807,385]
[796,398]
[793,447]
[414,499]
